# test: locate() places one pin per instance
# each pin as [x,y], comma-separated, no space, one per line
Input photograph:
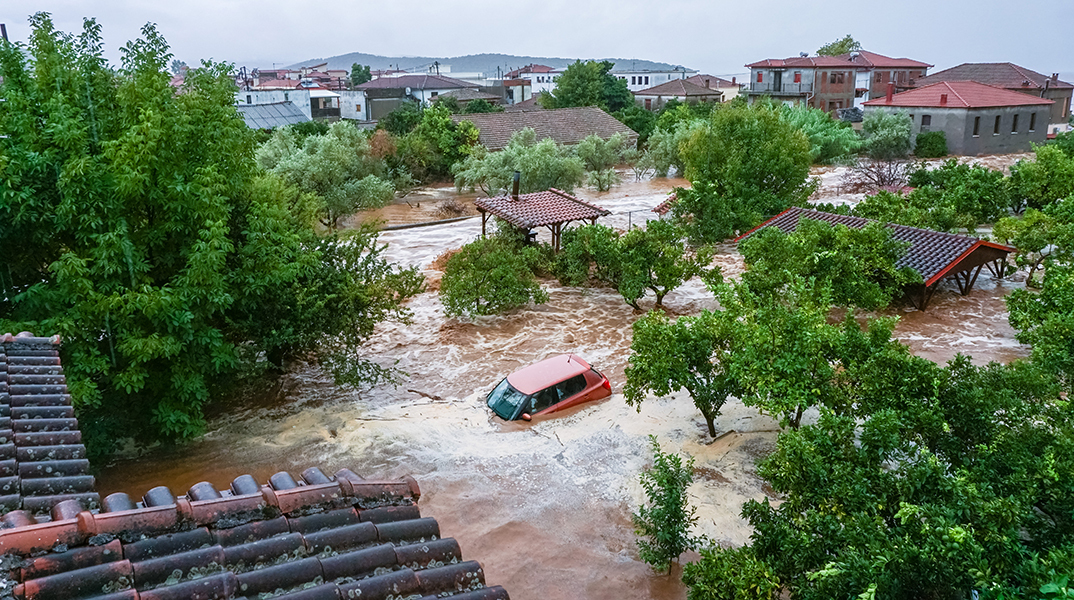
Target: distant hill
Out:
[474,63]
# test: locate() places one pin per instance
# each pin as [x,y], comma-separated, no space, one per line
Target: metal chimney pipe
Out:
[514,185]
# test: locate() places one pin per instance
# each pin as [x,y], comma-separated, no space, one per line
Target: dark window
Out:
[1014,124]
[249,99]
[995,129]
[648,104]
[544,398]
[646,80]
[926,122]
[976,126]
[633,80]
[1032,121]
[570,387]
[285,96]
[879,77]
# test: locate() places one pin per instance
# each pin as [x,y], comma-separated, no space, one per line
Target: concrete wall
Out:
[643,80]
[353,105]
[301,98]
[958,125]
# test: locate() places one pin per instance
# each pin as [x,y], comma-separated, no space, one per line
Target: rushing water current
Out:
[545,506]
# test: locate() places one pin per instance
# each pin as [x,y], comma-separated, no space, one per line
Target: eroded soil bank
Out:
[544,506]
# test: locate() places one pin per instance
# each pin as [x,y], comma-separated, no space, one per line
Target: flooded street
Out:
[544,506]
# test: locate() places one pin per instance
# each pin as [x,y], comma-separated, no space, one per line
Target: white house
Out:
[642,79]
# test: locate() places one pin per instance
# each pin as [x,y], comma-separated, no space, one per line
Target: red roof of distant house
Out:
[278,84]
[514,82]
[565,126]
[1004,75]
[959,94]
[711,81]
[873,60]
[680,88]
[529,69]
[529,104]
[804,62]
[417,82]
[540,208]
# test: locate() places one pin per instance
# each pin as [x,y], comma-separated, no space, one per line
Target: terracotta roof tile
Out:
[314,537]
[42,459]
[465,95]
[804,62]
[714,82]
[873,60]
[933,254]
[960,94]
[1004,75]
[563,125]
[530,104]
[680,87]
[664,207]
[540,208]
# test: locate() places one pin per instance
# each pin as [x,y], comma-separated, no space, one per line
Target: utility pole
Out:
[3,31]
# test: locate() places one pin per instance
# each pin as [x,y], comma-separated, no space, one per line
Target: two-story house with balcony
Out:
[541,78]
[824,82]
[876,71]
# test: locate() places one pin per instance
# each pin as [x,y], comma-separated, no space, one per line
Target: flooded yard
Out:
[544,506]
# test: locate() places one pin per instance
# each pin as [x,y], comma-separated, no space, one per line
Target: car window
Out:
[570,387]
[545,398]
[505,400]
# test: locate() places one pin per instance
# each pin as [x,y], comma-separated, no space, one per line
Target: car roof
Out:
[549,371]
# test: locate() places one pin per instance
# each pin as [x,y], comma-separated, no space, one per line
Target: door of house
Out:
[777,81]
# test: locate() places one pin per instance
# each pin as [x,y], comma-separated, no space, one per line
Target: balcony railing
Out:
[786,88]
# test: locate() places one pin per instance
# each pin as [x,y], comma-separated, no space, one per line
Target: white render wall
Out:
[636,82]
[353,105]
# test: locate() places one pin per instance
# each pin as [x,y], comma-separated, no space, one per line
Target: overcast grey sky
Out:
[715,37]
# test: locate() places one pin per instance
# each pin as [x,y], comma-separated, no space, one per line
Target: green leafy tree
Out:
[451,103]
[688,353]
[598,154]
[170,264]
[481,105]
[730,574]
[543,165]
[490,276]
[360,75]
[844,45]
[663,527]
[640,120]
[589,84]
[1041,182]
[665,149]
[930,144]
[176,66]
[887,135]
[1045,320]
[403,119]
[855,266]
[829,140]
[338,168]
[748,162]
[654,258]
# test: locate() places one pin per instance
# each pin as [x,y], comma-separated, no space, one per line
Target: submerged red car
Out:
[551,385]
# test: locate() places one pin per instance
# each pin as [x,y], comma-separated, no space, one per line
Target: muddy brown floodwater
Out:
[544,506]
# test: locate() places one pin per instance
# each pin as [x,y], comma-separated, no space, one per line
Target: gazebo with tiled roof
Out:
[935,255]
[552,209]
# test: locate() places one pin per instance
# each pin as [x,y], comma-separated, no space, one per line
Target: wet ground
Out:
[544,506]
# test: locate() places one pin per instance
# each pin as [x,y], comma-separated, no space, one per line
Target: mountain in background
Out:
[474,63]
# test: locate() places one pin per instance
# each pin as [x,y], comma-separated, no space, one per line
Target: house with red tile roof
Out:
[824,82]
[315,537]
[385,94]
[976,118]
[730,89]
[542,78]
[656,97]
[875,71]
[566,126]
[1012,77]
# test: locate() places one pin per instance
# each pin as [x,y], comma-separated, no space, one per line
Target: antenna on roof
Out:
[803,54]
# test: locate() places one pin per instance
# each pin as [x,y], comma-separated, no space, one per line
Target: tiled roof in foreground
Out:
[540,208]
[933,254]
[42,459]
[314,538]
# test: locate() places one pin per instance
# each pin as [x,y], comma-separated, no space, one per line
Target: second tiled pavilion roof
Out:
[540,209]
